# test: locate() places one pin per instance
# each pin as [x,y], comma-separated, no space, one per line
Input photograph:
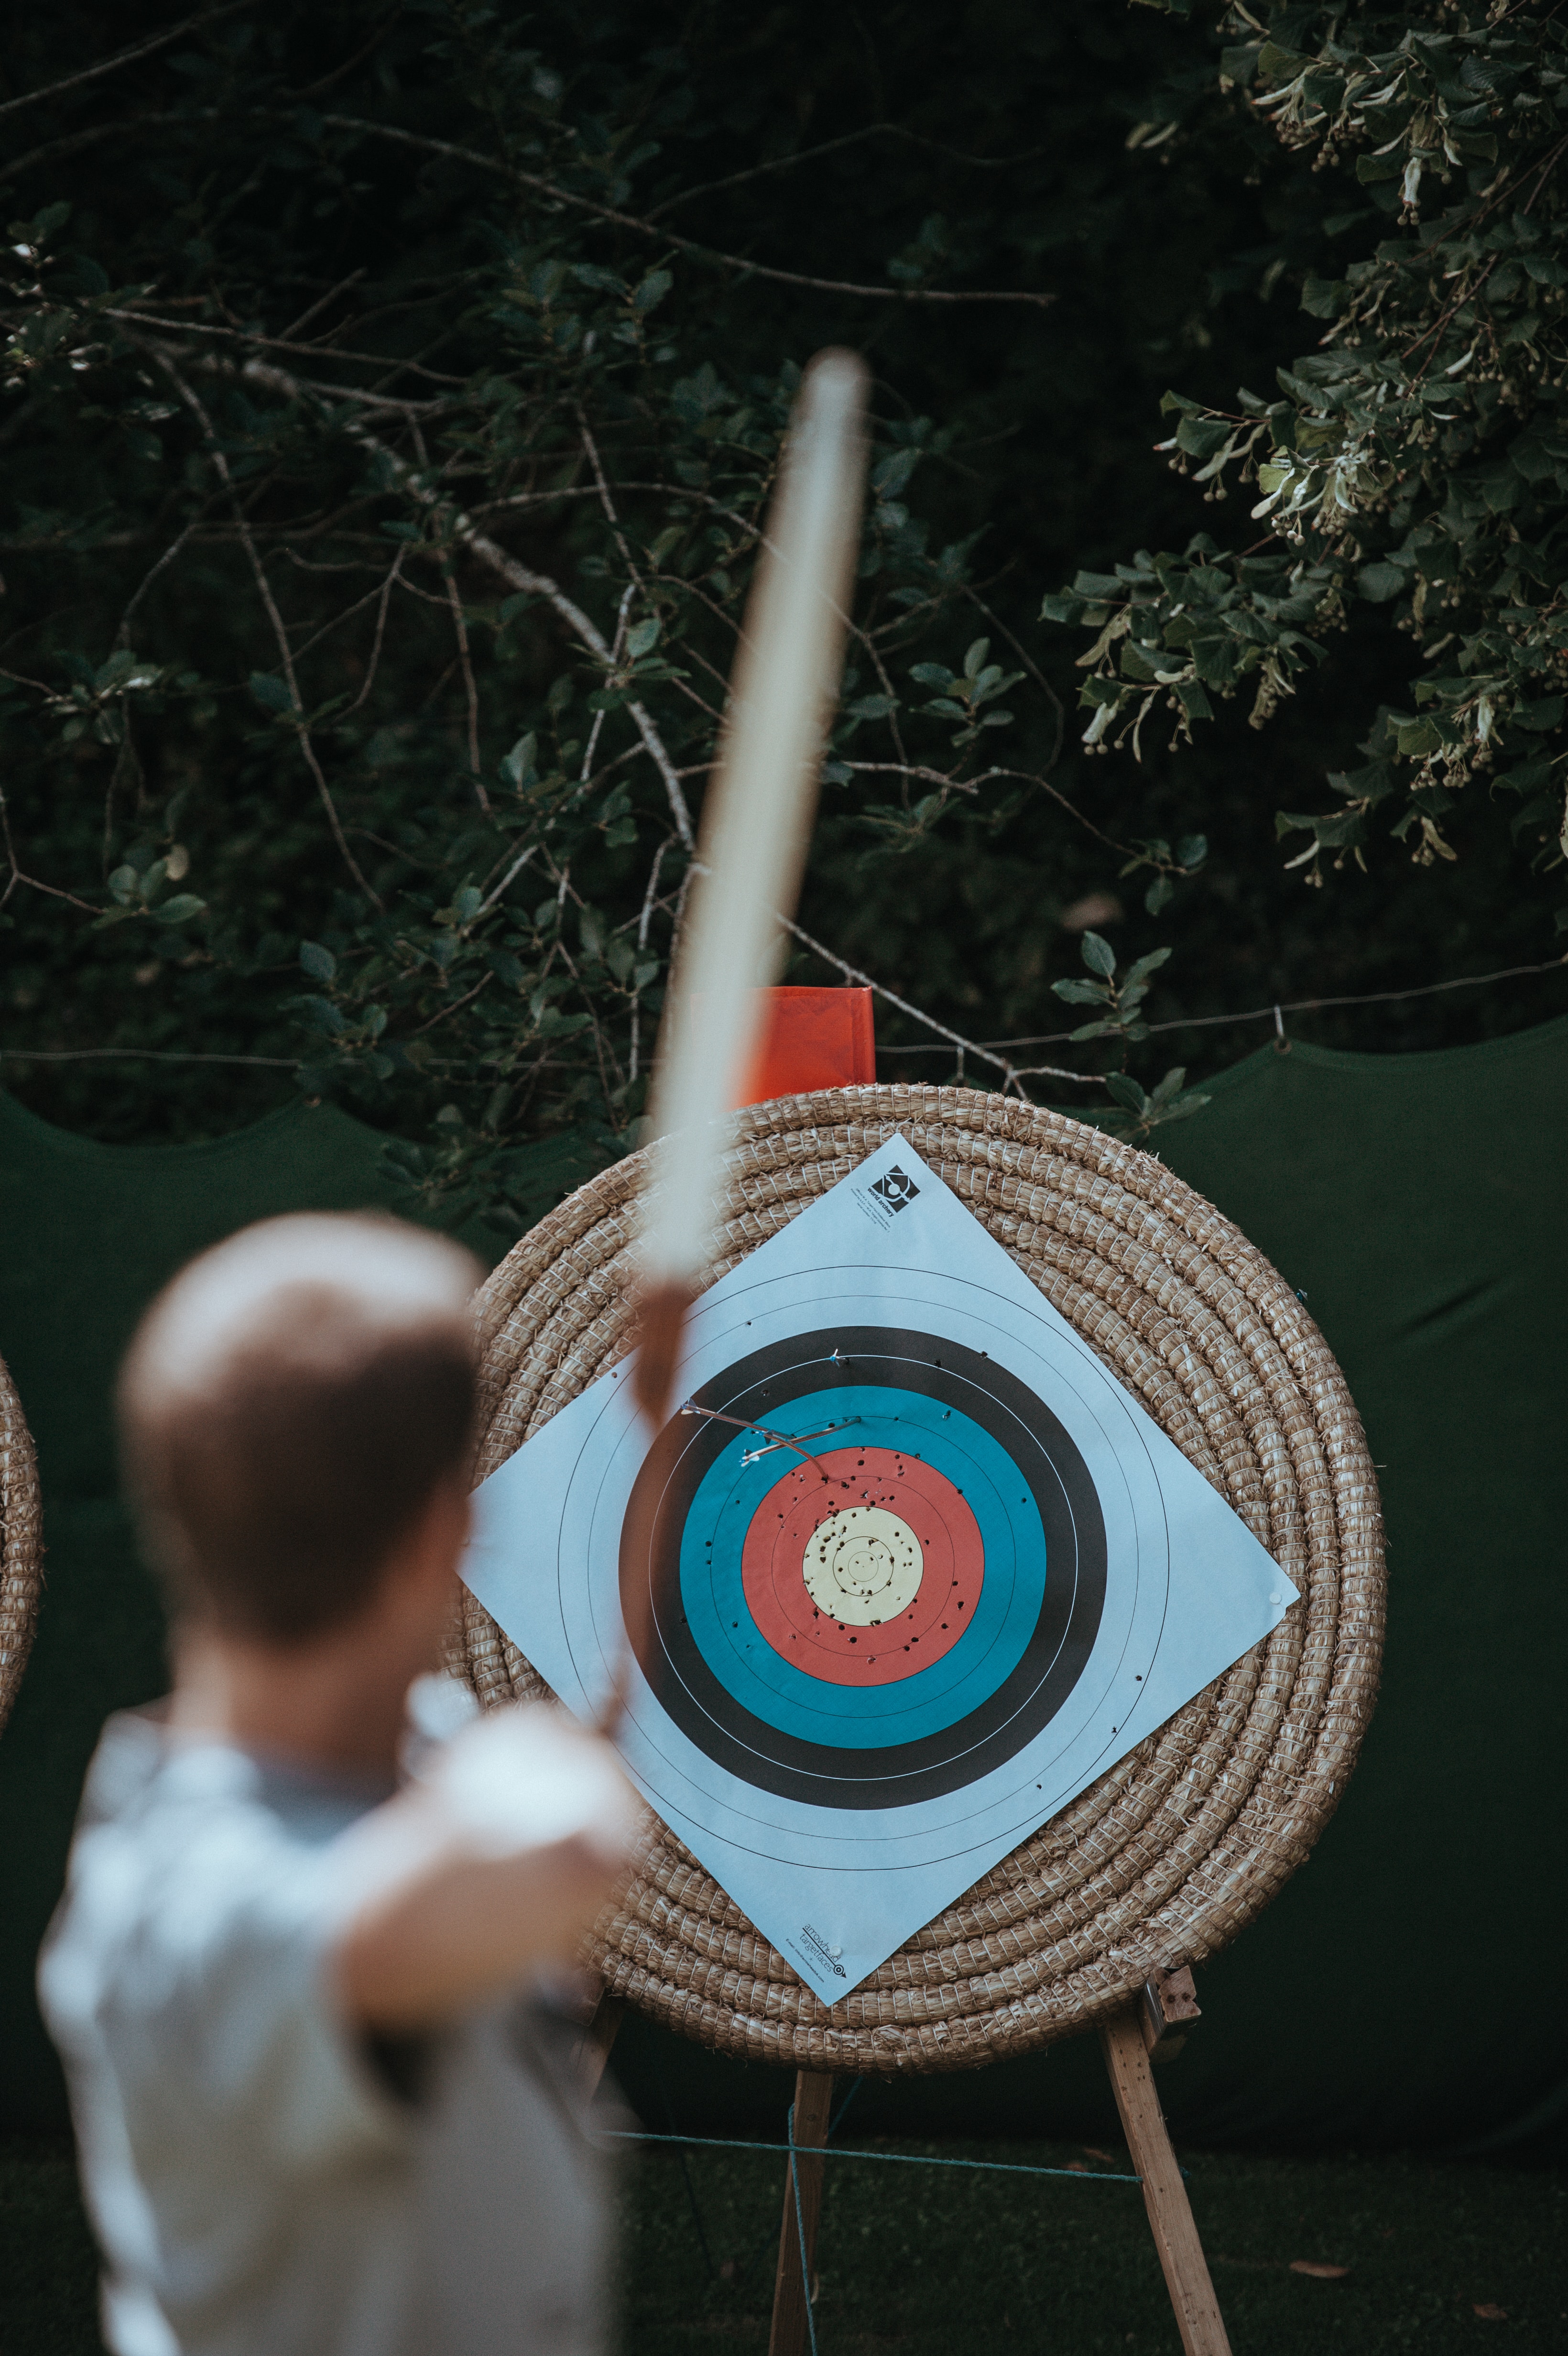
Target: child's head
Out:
[290,1406]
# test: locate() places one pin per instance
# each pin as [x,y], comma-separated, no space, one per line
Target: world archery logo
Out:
[896,1188]
[823,1955]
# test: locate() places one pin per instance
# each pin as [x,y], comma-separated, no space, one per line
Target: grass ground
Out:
[1440,2256]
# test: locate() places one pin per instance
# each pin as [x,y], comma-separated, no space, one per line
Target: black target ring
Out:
[756,1389]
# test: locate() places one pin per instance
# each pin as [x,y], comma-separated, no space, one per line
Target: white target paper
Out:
[923,1570]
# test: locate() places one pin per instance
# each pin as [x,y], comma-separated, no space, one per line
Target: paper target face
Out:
[908,1571]
[877,1621]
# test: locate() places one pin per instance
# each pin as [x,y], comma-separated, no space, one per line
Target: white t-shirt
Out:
[260,2178]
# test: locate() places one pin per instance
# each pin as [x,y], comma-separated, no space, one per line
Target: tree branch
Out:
[388,585]
[517,576]
[849,139]
[460,624]
[124,56]
[264,589]
[317,351]
[668,237]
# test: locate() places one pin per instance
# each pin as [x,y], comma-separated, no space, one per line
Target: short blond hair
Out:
[288,1407]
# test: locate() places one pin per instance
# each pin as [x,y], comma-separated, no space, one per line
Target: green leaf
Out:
[644,639]
[176,911]
[1080,993]
[1341,828]
[1200,437]
[319,963]
[1098,955]
[1324,298]
[1061,606]
[1126,1091]
[653,290]
[1141,971]
[322,1016]
[271,692]
[1277,64]
[891,477]
[518,766]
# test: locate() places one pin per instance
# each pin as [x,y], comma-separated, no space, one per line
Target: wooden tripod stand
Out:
[1152,2031]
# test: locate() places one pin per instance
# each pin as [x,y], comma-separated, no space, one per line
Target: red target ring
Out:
[862,1566]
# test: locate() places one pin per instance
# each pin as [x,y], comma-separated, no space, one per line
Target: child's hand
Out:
[491,1866]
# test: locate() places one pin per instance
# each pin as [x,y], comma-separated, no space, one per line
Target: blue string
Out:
[800,2233]
[685,2174]
[899,2159]
[839,2116]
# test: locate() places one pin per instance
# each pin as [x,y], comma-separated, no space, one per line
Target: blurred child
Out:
[318,2103]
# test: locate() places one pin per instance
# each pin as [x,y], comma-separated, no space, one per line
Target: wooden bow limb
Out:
[756,823]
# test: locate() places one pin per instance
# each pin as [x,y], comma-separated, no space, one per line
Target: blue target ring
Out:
[986,1655]
[766,1718]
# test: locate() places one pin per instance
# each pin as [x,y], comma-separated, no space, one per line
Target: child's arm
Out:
[492,1866]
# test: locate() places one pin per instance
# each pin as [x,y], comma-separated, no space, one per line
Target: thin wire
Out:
[839,2115]
[853,973]
[800,2235]
[896,2158]
[1368,998]
[139,1054]
[685,2173]
[1268,1013]
[984,1048]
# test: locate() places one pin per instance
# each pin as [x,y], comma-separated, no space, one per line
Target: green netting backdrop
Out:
[1403,1990]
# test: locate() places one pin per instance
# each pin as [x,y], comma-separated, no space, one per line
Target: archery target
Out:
[890,1618]
[906,1571]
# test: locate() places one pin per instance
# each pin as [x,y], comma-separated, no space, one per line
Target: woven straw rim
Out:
[21,1543]
[1164,1858]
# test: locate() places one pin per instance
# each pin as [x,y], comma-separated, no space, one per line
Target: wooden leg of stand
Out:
[813,2109]
[598,2037]
[1165,2195]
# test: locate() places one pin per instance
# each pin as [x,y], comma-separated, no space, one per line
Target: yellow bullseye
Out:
[863,1566]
